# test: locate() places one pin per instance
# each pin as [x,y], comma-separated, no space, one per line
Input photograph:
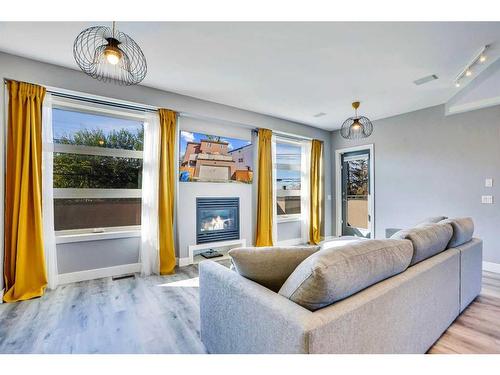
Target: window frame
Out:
[90,234]
[288,217]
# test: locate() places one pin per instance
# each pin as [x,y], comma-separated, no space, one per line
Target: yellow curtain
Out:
[168,121]
[316,191]
[264,228]
[24,261]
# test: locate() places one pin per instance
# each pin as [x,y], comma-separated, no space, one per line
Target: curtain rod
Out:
[285,134]
[91,98]
[138,107]
[103,102]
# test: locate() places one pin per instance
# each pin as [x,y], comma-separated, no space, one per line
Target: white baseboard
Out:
[183,262]
[491,267]
[73,277]
[1,295]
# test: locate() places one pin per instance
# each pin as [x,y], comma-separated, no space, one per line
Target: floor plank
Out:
[160,314]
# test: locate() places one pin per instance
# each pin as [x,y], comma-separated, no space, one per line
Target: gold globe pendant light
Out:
[356,127]
[109,55]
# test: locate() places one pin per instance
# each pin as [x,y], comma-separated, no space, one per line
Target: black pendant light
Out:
[109,55]
[356,127]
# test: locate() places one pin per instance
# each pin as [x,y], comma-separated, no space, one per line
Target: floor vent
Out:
[121,277]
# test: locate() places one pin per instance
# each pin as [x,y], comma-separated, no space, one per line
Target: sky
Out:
[197,137]
[68,122]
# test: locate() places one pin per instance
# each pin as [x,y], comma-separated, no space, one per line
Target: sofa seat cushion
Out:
[463,229]
[427,239]
[336,273]
[269,266]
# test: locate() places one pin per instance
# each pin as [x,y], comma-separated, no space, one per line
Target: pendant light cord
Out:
[114,29]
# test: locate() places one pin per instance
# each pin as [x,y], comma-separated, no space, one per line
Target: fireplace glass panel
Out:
[217,219]
[223,219]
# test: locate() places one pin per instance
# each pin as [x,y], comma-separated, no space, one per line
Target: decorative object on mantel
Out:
[211,254]
[356,127]
[110,56]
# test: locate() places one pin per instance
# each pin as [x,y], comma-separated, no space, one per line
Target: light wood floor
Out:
[161,315]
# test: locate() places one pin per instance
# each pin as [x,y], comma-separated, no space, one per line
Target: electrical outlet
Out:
[488,182]
[487,199]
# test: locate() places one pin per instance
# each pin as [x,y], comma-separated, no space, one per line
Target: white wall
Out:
[233,119]
[186,211]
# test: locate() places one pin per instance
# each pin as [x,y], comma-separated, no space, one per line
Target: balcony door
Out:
[356,198]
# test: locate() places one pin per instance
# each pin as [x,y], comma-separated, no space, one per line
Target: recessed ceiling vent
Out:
[423,80]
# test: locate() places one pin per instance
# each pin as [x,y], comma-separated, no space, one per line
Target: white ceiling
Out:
[288,70]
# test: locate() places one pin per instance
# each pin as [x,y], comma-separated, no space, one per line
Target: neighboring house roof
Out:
[214,141]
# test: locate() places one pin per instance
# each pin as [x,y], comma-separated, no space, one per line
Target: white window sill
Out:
[84,237]
[288,219]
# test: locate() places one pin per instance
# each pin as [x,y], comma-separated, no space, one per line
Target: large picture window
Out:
[97,169]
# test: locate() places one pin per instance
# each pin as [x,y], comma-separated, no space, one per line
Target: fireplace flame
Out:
[217,223]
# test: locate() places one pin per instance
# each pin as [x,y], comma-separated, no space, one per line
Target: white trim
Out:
[96,193]
[97,151]
[96,108]
[454,109]
[183,262]
[99,273]
[338,186]
[192,248]
[491,267]
[274,174]
[288,218]
[291,242]
[89,236]
[73,277]
[1,295]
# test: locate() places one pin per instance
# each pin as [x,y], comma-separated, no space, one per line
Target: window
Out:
[97,169]
[288,178]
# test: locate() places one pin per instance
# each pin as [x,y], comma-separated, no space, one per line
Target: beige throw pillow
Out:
[269,266]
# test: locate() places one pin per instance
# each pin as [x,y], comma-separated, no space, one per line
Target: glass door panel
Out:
[356,194]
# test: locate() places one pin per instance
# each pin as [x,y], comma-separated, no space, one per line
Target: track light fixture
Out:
[468,70]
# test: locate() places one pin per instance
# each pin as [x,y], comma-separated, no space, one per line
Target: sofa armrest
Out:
[471,271]
[241,316]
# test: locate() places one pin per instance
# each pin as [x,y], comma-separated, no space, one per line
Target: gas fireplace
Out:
[217,219]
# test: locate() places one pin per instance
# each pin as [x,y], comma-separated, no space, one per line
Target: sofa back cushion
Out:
[269,266]
[432,220]
[427,239]
[463,229]
[334,274]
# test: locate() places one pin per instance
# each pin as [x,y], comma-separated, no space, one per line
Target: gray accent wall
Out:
[429,164]
[23,69]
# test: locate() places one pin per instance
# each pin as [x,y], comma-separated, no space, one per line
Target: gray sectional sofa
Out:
[396,295]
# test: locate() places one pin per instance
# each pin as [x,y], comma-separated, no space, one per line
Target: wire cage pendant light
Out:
[356,127]
[109,55]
